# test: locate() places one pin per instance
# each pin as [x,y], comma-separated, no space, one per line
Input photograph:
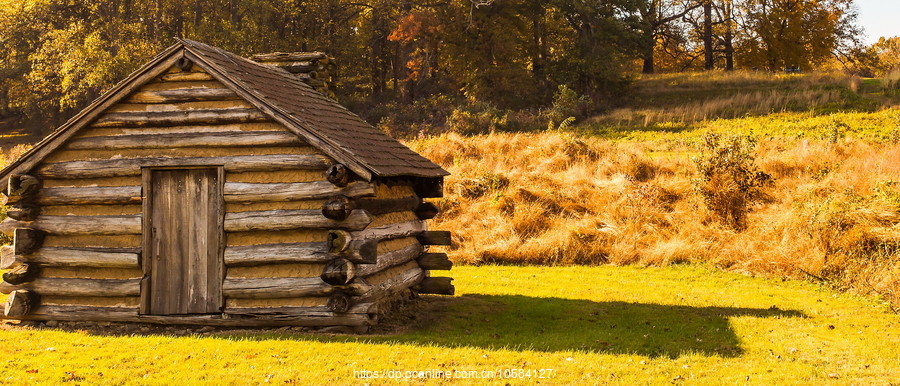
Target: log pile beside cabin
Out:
[188,195]
[313,68]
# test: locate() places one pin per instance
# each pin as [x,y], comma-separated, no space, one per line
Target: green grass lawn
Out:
[587,324]
[882,125]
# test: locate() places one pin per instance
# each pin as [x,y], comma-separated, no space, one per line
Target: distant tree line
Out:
[762,34]
[58,55]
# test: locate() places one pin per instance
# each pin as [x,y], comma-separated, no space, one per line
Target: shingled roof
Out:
[314,117]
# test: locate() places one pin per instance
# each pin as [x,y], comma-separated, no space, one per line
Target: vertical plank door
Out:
[185,264]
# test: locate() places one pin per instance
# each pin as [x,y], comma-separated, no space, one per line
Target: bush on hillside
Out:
[480,118]
[728,179]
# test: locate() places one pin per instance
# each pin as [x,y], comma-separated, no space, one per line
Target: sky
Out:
[879,18]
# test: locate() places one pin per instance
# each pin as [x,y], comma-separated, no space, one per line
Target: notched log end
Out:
[24,273]
[339,271]
[426,211]
[8,258]
[337,208]
[435,261]
[362,251]
[338,302]
[338,241]
[24,212]
[437,286]
[429,187]
[338,174]
[20,303]
[27,240]
[434,238]
[22,185]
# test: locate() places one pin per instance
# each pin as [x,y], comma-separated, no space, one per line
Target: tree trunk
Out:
[707,36]
[729,52]
[649,66]
[539,55]
[729,35]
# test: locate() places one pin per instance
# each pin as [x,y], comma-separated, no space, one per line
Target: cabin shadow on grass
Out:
[554,324]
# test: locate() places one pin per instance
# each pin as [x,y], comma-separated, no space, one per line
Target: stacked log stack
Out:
[313,68]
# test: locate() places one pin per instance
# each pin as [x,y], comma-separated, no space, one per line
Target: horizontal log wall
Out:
[78,287]
[274,189]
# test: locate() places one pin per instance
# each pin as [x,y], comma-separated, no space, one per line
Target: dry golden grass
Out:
[831,213]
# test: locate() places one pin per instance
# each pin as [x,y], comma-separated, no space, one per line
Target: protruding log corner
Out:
[338,302]
[24,212]
[338,241]
[8,257]
[434,238]
[338,174]
[27,240]
[362,251]
[24,273]
[337,208]
[437,286]
[435,261]
[378,206]
[426,211]
[22,185]
[339,271]
[20,303]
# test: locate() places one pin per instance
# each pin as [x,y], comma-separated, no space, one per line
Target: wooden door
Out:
[183,241]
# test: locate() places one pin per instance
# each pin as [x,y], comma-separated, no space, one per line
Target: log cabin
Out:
[210,189]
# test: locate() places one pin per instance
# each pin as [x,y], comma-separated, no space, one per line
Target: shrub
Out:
[566,108]
[480,118]
[728,179]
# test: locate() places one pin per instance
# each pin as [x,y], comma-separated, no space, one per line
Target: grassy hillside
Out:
[629,191]
[830,211]
[672,101]
[622,325]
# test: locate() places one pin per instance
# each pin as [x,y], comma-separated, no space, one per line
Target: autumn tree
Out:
[803,33]
[399,55]
[887,50]
[659,25]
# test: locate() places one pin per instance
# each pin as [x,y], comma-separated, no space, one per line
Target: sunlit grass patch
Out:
[882,125]
[588,324]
